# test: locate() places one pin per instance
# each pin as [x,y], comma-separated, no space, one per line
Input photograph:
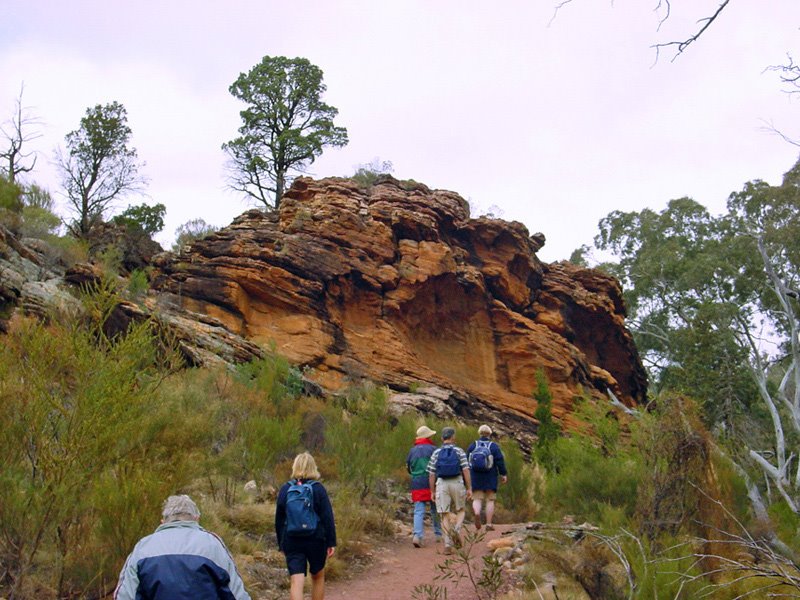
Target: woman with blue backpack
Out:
[486,465]
[305,527]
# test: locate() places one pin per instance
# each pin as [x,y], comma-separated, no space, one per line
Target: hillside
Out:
[394,283]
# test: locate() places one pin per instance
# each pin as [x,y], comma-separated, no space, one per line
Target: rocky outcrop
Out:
[397,284]
[394,283]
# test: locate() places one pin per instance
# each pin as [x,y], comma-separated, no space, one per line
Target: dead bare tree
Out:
[19,131]
[665,7]
[783,401]
[681,45]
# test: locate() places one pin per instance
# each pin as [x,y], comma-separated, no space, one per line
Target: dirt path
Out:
[399,568]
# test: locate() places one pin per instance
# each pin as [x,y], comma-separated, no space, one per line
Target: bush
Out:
[148,219]
[586,482]
[193,230]
[518,495]
[138,283]
[86,460]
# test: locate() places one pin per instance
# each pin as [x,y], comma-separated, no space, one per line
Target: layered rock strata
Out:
[397,284]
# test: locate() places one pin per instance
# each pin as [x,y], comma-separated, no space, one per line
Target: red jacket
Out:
[417,464]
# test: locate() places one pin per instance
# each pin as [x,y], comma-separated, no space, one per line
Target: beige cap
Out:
[425,432]
[484,430]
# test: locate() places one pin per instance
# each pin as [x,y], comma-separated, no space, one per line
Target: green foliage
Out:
[99,166]
[190,231]
[263,425]
[84,453]
[138,283]
[548,430]
[35,196]
[516,496]
[11,195]
[363,445]
[587,482]
[367,174]
[10,204]
[149,219]
[786,523]
[578,256]
[68,250]
[110,262]
[27,210]
[284,127]
[39,223]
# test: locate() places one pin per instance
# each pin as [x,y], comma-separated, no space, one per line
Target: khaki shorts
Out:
[484,494]
[451,495]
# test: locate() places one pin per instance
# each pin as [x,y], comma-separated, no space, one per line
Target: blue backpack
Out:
[448,463]
[301,518]
[481,459]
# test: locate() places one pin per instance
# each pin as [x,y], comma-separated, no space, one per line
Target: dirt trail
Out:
[399,568]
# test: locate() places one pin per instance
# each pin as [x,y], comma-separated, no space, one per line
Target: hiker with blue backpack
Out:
[487,465]
[451,485]
[417,465]
[305,527]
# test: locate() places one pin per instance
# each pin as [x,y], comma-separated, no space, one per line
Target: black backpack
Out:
[301,518]
[448,463]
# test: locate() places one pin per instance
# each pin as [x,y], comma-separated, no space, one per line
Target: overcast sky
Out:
[553,123]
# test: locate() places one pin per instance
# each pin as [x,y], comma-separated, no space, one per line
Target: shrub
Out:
[586,480]
[38,223]
[138,283]
[85,456]
[518,495]
[196,229]
[149,219]
[548,430]
[677,458]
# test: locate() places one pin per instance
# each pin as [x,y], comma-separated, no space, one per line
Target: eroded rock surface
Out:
[397,284]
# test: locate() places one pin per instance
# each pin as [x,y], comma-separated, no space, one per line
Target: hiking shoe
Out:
[448,550]
[417,542]
[477,521]
[489,527]
[438,539]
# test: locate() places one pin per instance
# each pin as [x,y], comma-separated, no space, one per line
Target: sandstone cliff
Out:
[397,284]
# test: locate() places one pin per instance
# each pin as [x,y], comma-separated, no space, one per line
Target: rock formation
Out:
[392,283]
[395,283]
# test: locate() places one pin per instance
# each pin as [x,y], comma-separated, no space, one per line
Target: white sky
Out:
[556,124]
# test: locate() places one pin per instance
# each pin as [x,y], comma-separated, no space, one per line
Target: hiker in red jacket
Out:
[417,464]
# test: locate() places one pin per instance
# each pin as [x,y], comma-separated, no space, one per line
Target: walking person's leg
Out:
[296,583]
[448,529]
[437,525]
[318,585]
[419,518]
[296,563]
[489,512]
[490,497]
[459,494]
[459,522]
[476,509]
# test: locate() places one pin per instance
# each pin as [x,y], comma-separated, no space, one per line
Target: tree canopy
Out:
[99,165]
[284,127]
[714,308]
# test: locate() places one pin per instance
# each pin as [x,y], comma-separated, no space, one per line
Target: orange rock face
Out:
[397,284]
